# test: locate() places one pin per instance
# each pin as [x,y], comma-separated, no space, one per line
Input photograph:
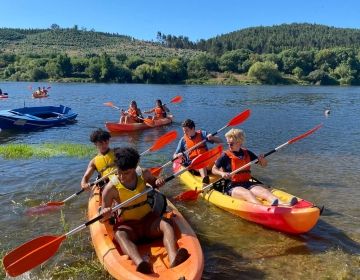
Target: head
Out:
[126,161]
[235,138]
[158,102]
[188,127]
[133,104]
[101,139]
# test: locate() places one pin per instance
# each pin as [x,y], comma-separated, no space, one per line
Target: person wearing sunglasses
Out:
[241,186]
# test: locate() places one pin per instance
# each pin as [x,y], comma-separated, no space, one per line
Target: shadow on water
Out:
[225,263]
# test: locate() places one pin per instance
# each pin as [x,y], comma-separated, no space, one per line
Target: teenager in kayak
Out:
[132,115]
[191,138]
[137,220]
[103,162]
[240,185]
[160,110]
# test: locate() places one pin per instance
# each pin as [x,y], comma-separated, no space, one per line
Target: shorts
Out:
[247,185]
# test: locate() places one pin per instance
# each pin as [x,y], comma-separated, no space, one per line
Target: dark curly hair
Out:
[126,158]
[99,135]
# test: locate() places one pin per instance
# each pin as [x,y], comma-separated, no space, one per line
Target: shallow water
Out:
[323,168]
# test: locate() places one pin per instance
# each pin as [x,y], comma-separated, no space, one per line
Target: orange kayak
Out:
[126,127]
[297,219]
[120,266]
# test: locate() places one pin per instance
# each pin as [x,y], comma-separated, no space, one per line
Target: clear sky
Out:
[197,19]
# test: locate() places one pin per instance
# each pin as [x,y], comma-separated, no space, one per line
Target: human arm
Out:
[152,180]
[109,194]
[219,167]
[149,111]
[87,175]
[180,149]
[262,161]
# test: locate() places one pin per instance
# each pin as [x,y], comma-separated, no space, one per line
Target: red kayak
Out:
[126,127]
[4,95]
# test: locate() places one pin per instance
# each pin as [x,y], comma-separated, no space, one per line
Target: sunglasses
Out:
[231,144]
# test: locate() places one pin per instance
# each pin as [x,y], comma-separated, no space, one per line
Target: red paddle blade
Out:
[31,254]
[240,118]
[156,171]
[188,196]
[167,138]
[109,104]
[176,99]
[149,122]
[305,134]
[45,208]
[206,158]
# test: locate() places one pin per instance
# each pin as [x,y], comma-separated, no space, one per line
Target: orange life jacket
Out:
[245,174]
[133,113]
[192,142]
[159,113]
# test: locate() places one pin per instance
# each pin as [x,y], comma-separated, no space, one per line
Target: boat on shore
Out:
[120,266]
[297,219]
[29,118]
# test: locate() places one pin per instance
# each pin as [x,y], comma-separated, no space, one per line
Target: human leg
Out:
[242,193]
[263,193]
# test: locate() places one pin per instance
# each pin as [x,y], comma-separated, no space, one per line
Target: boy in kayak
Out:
[191,139]
[160,111]
[103,162]
[137,220]
[132,115]
[241,186]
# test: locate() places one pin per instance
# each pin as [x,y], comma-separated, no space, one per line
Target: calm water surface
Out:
[323,168]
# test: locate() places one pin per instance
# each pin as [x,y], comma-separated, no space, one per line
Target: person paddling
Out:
[160,110]
[103,162]
[240,185]
[137,221]
[132,115]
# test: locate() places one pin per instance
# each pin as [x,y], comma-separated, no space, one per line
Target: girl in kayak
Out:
[132,115]
[160,111]
[137,220]
[241,186]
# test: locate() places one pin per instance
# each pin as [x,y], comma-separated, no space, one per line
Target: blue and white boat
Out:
[29,118]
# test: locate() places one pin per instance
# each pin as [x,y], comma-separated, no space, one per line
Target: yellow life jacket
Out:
[143,207]
[105,163]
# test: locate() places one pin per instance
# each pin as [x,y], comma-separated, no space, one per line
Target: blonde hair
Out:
[236,134]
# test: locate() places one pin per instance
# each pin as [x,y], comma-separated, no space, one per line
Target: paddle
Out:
[148,122]
[238,119]
[161,142]
[176,99]
[38,250]
[193,194]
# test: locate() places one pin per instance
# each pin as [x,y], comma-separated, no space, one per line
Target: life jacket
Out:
[133,114]
[154,201]
[160,113]
[105,163]
[245,174]
[190,142]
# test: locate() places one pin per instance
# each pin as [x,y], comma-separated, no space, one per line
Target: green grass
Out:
[47,150]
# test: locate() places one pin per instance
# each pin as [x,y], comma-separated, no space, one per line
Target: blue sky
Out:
[197,19]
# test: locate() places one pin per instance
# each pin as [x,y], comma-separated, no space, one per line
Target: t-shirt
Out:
[225,162]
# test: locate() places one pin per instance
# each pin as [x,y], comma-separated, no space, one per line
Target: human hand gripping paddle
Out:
[240,118]
[165,139]
[36,251]
[193,194]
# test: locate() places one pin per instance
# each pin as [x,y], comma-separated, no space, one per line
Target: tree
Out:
[266,72]
[54,26]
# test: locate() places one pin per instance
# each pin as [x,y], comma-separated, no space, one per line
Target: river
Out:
[322,168]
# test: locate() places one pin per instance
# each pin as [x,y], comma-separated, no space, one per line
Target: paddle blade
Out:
[305,134]
[167,138]
[149,122]
[191,195]
[45,208]
[109,104]
[176,99]
[240,118]
[206,158]
[31,254]
[155,171]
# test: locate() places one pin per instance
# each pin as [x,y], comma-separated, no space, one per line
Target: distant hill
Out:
[80,42]
[274,39]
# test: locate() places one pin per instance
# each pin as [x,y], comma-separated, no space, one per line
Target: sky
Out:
[196,19]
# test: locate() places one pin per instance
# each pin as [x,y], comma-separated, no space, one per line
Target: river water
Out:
[323,168]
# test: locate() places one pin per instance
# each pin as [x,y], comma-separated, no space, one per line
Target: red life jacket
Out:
[192,142]
[245,174]
[159,113]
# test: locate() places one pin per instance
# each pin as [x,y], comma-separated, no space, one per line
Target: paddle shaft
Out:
[268,153]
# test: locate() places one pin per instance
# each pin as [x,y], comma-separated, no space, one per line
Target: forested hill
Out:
[73,41]
[274,39]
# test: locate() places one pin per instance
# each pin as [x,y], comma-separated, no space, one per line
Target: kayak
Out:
[39,95]
[297,219]
[126,127]
[120,266]
[4,95]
